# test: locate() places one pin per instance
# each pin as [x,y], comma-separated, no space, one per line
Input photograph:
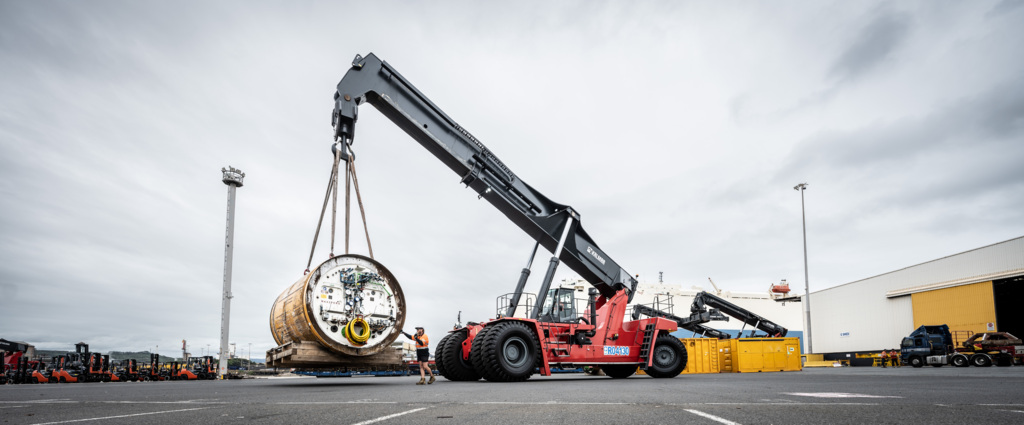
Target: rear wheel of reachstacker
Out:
[439,354]
[508,352]
[668,359]
[619,371]
[455,367]
[916,361]
[960,361]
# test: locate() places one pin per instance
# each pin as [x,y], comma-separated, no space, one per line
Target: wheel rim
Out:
[664,356]
[514,350]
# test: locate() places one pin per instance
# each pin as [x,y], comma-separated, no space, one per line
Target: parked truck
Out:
[937,346]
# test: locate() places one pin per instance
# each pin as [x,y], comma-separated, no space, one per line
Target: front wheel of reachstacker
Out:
[508,352]
[668,359]
[456,368]
[475,355]
[439,354]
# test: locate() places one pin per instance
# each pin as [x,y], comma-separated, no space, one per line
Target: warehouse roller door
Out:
[1009,295]
[963,308]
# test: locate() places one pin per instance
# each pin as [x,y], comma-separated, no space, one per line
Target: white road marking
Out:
[121,416]
[544,403]
[338,402]
[384,418]
[776,404]
[10,407]
[712,417]
[842,395]
[160,402]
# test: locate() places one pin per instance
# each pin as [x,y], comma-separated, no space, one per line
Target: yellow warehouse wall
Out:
[963,308]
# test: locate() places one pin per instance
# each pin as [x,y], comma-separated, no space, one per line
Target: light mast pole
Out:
[233,178]
[807,285]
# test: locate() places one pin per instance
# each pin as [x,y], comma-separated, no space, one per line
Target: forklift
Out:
[66,368]
[203,367]
[151,371]
[127,370]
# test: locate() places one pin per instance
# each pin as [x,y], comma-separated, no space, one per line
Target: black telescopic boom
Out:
[374,81]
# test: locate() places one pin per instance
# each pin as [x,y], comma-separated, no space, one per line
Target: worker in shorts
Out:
[422,355]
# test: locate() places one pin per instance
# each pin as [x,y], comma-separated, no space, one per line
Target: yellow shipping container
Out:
[702,355]
[760,355]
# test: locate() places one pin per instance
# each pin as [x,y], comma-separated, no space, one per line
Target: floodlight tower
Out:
[233,178]
[807,285]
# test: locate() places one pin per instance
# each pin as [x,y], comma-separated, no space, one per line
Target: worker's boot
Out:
[431,381]
[421,381]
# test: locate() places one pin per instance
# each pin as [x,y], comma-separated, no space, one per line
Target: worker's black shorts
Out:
[422,354]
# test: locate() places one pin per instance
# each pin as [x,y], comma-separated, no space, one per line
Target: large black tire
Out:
[916,361]
[479,363]
[455,368]
[508,352]
[619,371]
[981,360]
[439,354]
[960,361]
[668,358]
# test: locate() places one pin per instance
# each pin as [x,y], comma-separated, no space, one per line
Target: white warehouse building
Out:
[978,290]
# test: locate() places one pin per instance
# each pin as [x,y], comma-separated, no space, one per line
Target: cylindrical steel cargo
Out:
[350,304]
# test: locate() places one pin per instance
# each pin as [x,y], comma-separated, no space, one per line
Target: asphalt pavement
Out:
[814,396]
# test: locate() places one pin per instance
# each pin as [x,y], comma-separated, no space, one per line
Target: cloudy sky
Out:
[677,130]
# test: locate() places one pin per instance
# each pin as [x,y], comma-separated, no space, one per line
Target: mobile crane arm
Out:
[371,80]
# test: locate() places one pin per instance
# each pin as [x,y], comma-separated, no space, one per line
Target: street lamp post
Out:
[807,285]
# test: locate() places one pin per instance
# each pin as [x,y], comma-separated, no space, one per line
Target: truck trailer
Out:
[937,346]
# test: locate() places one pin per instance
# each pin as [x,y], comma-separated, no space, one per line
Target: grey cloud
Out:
[994,117]
[116,117]
[872,45]
[1004,7]
[982,133]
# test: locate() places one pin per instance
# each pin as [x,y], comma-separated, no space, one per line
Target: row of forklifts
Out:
[85,366]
